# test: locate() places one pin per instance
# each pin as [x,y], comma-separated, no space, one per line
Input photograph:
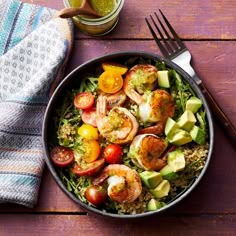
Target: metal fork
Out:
[174,49]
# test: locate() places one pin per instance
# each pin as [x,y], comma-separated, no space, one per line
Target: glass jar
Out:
[98,26]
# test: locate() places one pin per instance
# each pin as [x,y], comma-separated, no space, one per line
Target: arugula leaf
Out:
[180,90]
[89,84]
[75,184]
[201,117]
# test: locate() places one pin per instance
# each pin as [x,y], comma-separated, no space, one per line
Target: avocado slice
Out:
[163,79]
[198,135]
[176,160]
[162,190]
[150,178]
[180,137]
[153,205]
[187,120]
[167,172]
[170,126]
[193,104]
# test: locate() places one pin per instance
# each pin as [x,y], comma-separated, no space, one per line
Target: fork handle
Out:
[226,124]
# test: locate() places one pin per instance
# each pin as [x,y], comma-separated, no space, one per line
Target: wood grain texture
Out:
[74,225]
[211,19]
[208,29]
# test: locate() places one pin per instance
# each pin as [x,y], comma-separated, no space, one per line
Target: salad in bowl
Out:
[128,134]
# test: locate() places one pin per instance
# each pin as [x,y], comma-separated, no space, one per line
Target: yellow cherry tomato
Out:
[112,66]
[91,150]
[110,82]
[88,131]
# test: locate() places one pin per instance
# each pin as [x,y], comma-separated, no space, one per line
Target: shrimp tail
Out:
[101,178]
[157,129]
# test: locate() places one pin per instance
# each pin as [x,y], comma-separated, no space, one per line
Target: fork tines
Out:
[168,40]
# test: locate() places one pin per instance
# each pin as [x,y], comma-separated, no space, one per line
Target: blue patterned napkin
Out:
[34,48]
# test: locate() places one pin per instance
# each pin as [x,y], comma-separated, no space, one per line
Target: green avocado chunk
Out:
[167,172]
[193,104]
[176,160]
[153,205]
[198,135]
[163,78]
[187,120]
[150,178]
[162,189]
[170,126]
[180,137]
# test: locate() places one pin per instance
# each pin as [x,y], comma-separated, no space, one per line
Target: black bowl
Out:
[71,81]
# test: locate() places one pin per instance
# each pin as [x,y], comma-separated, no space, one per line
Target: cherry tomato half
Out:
[89,116]
[110,82]
[112,66]
[90,168]
[62,156]
[88,131]
[91,150]
[113,154]
[96,194]
[84,100]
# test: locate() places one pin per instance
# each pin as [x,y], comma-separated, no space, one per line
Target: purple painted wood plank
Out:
[210,19]
[215,63]
[216,225]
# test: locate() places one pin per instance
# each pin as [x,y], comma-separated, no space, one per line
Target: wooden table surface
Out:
[208,30]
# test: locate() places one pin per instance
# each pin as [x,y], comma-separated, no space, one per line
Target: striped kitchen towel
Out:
[34,49]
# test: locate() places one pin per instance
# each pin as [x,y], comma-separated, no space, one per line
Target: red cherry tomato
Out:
[89,116]
[96,194]
[84,100]
[62,156]
[89,169]
[113,154]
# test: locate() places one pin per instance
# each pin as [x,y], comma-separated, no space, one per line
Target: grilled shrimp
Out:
[157,107]
[139,79]
[124,184]
[117,125]
[146,151]
[116,99]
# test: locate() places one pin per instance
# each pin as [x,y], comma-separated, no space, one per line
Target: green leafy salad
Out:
[131,137]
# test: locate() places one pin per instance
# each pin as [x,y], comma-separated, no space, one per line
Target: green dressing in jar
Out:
[75,3]
[103,7]
[108,9]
